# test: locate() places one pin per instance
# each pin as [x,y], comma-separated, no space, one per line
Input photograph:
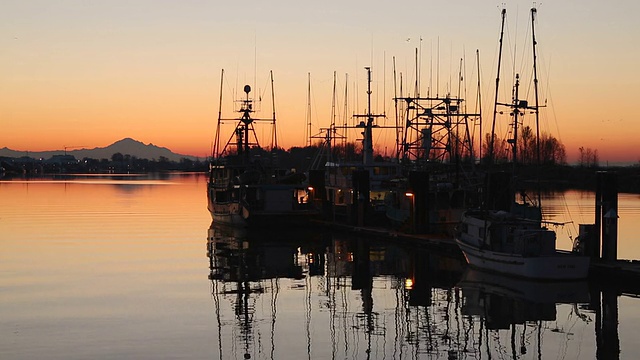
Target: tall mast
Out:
[516,112]
[246,109]
[368,133]
[346,105]
[495,102]
[457,151]
[274,137]
[535,87]
[216,143]
[417,86]
[479,103]
[308,109]
[333,110]
[333,102]
[395,95]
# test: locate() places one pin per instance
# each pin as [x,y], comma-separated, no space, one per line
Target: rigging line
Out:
[395,96]
[384,91]
[492,139]
[338,114]
[255,58]
[514,54]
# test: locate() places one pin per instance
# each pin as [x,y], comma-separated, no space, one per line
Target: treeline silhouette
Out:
[554,173]
[118,163]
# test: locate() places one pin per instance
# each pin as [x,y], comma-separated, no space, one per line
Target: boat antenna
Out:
[495,102]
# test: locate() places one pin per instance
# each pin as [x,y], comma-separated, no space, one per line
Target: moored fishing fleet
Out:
[433,185]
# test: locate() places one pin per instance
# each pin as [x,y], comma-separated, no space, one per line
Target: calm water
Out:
[130,267]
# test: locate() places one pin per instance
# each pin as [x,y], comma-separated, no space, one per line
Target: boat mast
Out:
[535,87]
[479,104]
[495,102]
[368,133]
[216,142]
[309,109]
[395,95]
[333,107]
[246,109]
[274,137]
[344,111]
[516,112]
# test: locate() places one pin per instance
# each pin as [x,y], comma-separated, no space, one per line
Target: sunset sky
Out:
[88,73]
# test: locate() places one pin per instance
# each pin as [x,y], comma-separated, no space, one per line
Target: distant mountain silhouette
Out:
[125,146]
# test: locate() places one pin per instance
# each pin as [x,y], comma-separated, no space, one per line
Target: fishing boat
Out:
[508,243]
[354,191]
[439,160]
[245,186]
[509,236]
[422,189]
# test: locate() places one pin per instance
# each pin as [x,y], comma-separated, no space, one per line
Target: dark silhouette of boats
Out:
[245,187]
[508,235]
[421,188]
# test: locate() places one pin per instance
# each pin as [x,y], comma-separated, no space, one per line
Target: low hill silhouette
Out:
[126,146]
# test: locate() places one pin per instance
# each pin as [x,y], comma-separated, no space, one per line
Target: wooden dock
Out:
[435,240]
[620,269]
[625,268]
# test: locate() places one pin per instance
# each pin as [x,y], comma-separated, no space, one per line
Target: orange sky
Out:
[87,74]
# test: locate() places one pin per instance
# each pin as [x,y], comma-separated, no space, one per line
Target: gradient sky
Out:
[88,73]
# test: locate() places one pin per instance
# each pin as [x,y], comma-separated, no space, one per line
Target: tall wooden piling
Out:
[419,186]
[606,211]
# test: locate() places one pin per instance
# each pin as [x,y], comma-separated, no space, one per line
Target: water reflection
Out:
[523,309]
[322,295]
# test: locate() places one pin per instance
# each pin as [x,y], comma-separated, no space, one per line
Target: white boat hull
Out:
[559,266]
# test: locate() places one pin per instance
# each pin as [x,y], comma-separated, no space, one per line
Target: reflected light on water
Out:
[132,268]
[100,264]
[577,207]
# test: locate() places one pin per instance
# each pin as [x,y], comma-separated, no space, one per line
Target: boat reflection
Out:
[323,295]
[515,313]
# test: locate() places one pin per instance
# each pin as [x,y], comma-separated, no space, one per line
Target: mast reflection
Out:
[325,295]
